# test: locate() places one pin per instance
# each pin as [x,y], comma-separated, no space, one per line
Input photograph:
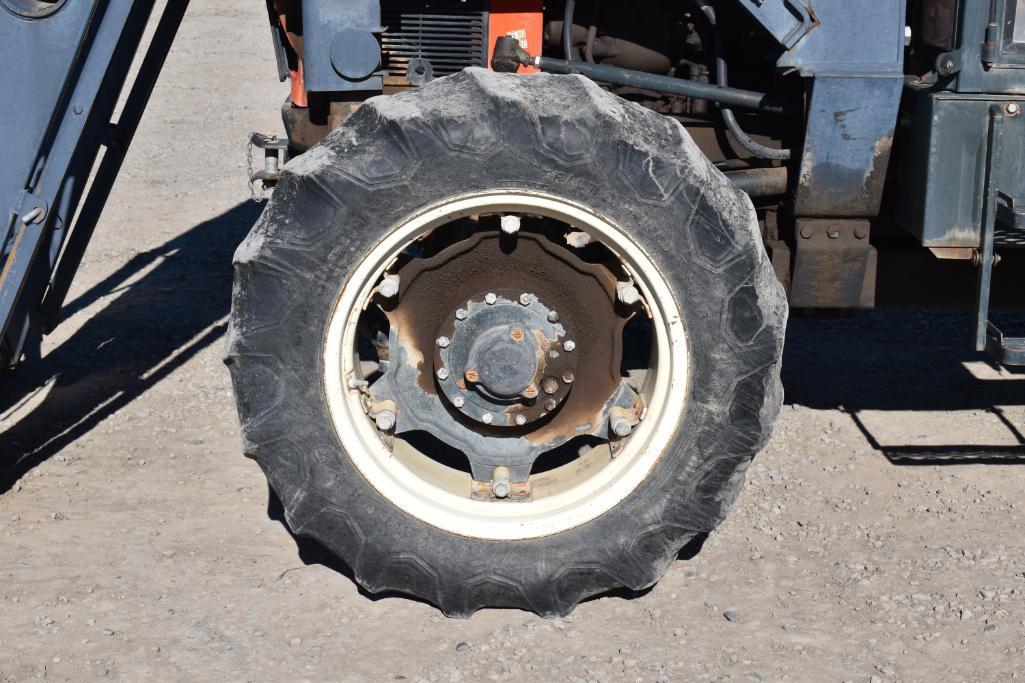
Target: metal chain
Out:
[257,198]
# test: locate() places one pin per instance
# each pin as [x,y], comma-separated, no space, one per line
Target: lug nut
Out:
[550,385]
[458,401]
[500,484]
[553,316]
[1013,109]
[521,420]
[524,299]
[569,345]
[627,294]
[621,427]
[487,418]
[443,342]
[461,314]
[568,377]
[389,286]
[510,224]
[550,404]
[442,373]
[490,298]
[385,420]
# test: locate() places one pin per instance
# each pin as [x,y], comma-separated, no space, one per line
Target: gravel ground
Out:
[878,539]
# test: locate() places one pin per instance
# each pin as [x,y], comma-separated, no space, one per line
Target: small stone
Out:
[295,642]
[108,632]
[991,628]
[966,614]
[731,615]
[464,645]
[875,679]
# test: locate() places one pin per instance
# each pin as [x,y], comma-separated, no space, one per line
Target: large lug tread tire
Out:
[478,131]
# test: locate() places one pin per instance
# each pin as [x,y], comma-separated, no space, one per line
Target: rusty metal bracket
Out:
[830,263]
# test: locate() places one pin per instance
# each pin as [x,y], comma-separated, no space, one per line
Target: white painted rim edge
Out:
[508,520]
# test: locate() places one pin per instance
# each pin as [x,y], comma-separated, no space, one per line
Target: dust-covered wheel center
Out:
[505,355]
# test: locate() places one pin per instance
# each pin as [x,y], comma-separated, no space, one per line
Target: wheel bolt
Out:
[389,286]
[550,385]
[443,373]
[553,316]
[521,420]
[524,299]
[500,485]
[621,427]
[510,224]
[627,294]
[569,345]
[458,401]
[568,377]
[443,342]
[461,314]
[487,418]
[490,298]
[385,420]
[550,404]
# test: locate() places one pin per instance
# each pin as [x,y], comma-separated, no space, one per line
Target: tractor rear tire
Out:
[480,132]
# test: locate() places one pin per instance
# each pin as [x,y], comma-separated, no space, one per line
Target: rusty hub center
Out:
[504,347]
[502,361]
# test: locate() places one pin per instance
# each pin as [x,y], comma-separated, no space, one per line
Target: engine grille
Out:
[449,33]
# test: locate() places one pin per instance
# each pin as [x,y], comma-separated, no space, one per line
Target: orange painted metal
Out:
[285,9]
[521,19]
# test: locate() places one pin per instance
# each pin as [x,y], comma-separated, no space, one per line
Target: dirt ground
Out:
[879,537]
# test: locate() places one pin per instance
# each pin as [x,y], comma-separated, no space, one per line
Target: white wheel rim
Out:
[410,484]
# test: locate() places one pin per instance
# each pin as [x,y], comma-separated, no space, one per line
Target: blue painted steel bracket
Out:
[855,53]
[339,42]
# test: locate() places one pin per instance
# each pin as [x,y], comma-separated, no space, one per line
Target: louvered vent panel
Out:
[450,34]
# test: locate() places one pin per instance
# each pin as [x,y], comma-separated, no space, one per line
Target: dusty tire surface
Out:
[480,131]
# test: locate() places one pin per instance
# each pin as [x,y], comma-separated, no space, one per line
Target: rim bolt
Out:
[458,401]
[385,420]
[442,373]
[490,298]
[461,314]
[510,224]
[389,286]
[487,418]
[521,420]
[550,385]
[500,485]
[550,404]
[524,299]
[627,294]
[443,342]
[568,377]
[569,345]
[621,427]
[553,316]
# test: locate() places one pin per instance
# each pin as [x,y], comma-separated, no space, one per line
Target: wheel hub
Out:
[502,361]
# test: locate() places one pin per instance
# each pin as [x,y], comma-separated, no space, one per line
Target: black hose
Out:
[667,84]
[567,30]
[742,138]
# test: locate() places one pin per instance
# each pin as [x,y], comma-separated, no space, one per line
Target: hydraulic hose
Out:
[743,139]
[567,30]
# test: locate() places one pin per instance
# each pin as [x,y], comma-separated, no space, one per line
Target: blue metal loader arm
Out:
[63,65]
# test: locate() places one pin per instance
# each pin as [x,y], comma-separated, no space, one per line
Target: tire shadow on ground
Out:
[164,306]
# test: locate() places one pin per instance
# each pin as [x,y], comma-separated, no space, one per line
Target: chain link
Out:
[257,198]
